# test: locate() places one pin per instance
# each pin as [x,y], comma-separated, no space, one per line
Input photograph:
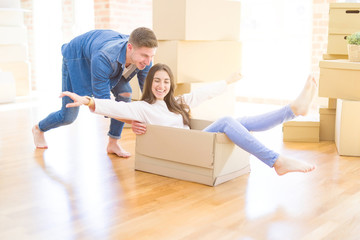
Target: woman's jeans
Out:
[238,130]
[66,116]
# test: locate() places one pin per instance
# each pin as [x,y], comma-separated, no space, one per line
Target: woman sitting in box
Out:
[158,106]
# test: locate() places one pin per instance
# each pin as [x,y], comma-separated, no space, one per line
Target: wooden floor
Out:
[74,190]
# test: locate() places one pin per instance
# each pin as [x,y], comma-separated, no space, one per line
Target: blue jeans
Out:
[238,130]
[66,116]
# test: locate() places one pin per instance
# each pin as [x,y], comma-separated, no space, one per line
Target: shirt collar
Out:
[122,56]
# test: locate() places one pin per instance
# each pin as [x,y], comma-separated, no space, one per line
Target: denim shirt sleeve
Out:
[100,73]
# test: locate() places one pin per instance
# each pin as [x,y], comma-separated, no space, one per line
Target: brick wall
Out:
[319,32]
[67,20]
[122,15]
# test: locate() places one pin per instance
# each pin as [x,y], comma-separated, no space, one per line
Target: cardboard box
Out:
[344,18]
[332,103]
[11,17]
[21,73]
[196,19]
[301,131]
[212,109]
[13,53]
[191,155]
[327,124]
[337,44]
[200,61]
[339,79]
[13,35]
[334,56]
[347,127]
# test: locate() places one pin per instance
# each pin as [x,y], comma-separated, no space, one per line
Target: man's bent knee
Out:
[125,97]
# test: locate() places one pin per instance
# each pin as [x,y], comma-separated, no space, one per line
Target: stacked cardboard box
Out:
[344,20]
[199,40]
[340,81]
[13,46]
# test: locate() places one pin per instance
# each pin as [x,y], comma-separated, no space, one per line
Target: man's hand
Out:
[138,127]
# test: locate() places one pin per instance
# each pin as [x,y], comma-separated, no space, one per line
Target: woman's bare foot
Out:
[285,165]
[39,138]
[302,103]
[115,148]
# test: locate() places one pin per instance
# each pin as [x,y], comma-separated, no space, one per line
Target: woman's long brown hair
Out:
[175,106]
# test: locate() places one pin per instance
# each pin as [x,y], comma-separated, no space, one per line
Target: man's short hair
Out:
[143,37]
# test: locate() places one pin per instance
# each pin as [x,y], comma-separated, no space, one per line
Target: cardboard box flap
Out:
[199,124]
[340,64]
[301,124]
[179,145]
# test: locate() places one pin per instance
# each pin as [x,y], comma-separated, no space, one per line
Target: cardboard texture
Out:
[344,20]
[21,73]
[13,53]
[13,35]
[339,79]
[347,127]
[11,17]
[332,103]
[191,155]
[193,61]
[334,56]
[7,87]
[301,131]
[327,124]
[212,109]
[337,44]
[196,19]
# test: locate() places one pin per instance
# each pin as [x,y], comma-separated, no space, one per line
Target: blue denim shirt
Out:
[95,62]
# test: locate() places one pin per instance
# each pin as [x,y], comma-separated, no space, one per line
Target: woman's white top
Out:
[157,113]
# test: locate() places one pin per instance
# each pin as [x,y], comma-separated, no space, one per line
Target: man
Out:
[94,64]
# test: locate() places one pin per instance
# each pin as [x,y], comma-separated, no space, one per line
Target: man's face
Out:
[141,57]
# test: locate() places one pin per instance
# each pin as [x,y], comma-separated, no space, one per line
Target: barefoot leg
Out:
[285,165]
[302,103]
[39,138]
[115,148]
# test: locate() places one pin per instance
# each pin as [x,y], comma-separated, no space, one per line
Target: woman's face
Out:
[161,84]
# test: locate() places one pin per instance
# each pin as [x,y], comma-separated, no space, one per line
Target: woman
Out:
[158,106]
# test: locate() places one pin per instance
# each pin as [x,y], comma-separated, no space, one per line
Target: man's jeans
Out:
[66,116]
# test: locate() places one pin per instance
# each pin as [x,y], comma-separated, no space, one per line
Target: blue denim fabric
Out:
[238,130]
[93,64]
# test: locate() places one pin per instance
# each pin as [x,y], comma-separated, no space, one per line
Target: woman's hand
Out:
[233,78]
[78,100]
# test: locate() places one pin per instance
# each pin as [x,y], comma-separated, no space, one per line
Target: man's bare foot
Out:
[39,138]
[285,165]
[302,103]
[115,148]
